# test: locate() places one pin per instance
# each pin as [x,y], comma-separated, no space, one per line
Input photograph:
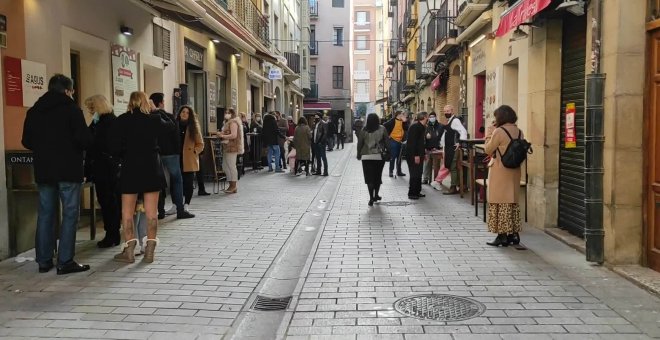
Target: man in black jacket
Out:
[332,131]
[434,131]
[169,144]
[270,135]
[416,155]
[56,132]
[319,143]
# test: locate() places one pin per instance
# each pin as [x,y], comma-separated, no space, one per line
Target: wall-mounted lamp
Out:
[518,34]
[125,30]
[215,40]
[576,7]
[478,40]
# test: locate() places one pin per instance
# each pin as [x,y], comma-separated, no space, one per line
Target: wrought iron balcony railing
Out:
[251,18]
[423,69]
[314,48]
[314,8]
[222,3]
[293,61]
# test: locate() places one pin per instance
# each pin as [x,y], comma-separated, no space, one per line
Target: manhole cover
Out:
[266,303]
[439,307]
[397,203]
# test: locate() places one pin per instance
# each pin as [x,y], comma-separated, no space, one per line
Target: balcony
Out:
[251,18]
[394,3]
[410,19]
[362,25]
[441,33]
[423,68]
[469,11]
[362,98]
[293,61]
[314,8]
[313,93]
[361,75]
[314,48]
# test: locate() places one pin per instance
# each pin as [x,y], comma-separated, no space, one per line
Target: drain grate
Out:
[268,303]
[397,203]
[439,307]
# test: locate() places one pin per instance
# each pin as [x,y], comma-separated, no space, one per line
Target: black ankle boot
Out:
[500,240]
[110,240]
[514,239]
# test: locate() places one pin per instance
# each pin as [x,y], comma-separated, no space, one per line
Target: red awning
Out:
[519,13]
[317,106]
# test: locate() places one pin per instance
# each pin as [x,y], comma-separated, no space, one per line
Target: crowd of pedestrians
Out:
[128,158]
[396,139]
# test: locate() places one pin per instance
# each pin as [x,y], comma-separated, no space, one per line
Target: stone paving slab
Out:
[206,268]
[369,257]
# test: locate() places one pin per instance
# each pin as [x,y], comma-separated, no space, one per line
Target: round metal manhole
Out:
[397,203]
[439,307]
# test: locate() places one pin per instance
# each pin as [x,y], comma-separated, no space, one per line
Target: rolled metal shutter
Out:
[572,207]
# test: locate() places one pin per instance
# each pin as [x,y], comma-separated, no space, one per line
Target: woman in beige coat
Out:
[192,144]
[503,183]
[232,139]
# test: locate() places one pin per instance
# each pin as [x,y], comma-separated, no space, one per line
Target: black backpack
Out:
[516,152]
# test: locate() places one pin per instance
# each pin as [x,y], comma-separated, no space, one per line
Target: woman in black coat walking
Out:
[102,169]
[135,141]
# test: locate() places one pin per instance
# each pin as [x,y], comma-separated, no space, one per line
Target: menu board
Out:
[124,76]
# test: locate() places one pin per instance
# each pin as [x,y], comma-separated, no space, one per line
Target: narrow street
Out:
[210,269]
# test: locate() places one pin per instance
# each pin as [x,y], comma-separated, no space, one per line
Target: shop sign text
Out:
[25,81]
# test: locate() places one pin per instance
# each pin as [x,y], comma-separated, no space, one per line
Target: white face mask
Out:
[227,116]
[432,119]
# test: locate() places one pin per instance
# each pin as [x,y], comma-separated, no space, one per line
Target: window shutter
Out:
[161,42]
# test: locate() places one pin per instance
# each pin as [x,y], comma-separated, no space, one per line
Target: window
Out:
[339,36]
[380,47]
[361,65]
[276,32]
[312,74]
[362,87]
[161,42]
[361,43]
[361,18]
[338,3]
[380,70]
[338,77]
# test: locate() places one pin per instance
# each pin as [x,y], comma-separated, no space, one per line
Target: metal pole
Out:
[594,140]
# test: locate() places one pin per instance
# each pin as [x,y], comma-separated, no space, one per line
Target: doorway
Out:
[75,75]
[196,80]
[480,100]
[652,203]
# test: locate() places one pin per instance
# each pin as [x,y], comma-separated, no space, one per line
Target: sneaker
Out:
[435,185]
[279,170]
[203,193]
[183,215]
[270,170]
[171,211]
[426,181]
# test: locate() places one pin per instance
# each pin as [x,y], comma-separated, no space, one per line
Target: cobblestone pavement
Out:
[207,270]
[368,258]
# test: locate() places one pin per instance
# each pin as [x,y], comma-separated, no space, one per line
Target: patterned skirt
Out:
[503,218]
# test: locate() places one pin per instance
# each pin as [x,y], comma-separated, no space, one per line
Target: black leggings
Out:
[188,178]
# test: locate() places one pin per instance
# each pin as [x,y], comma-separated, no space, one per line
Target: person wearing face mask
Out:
[192,144]
[416,155]
[102,169]
[397,128]
[232,147]
[434,131]
[256,125]
[319,144]
[454,131]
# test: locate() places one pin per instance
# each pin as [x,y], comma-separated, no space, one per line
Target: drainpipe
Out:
[594,233]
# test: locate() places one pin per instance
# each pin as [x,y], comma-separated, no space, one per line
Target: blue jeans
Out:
[173,166]
[320,155]
[274,151]
[395,149]
[50,196]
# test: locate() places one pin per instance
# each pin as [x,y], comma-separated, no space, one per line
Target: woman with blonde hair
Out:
[192,144]
[232,136]
[101,168]
[135,141]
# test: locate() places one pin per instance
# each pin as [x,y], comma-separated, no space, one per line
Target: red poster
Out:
[13,82]
[570,140]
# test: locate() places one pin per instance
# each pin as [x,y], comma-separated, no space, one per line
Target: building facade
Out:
[367,44]
[330,64]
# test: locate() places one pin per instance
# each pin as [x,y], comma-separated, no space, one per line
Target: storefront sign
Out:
[570,140]
[519,13]
[124,76]
[19,158]
[194,54]
[213,92]
[478,59]
[275,73]
[25,81]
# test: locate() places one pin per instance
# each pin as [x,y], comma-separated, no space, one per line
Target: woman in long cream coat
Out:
[503,182]
[192,144]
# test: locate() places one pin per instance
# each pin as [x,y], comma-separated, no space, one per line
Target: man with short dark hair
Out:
[397,127]
[169,145]
[319,144]
[416,153]
[56,132]
[454,132]
[283,126]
